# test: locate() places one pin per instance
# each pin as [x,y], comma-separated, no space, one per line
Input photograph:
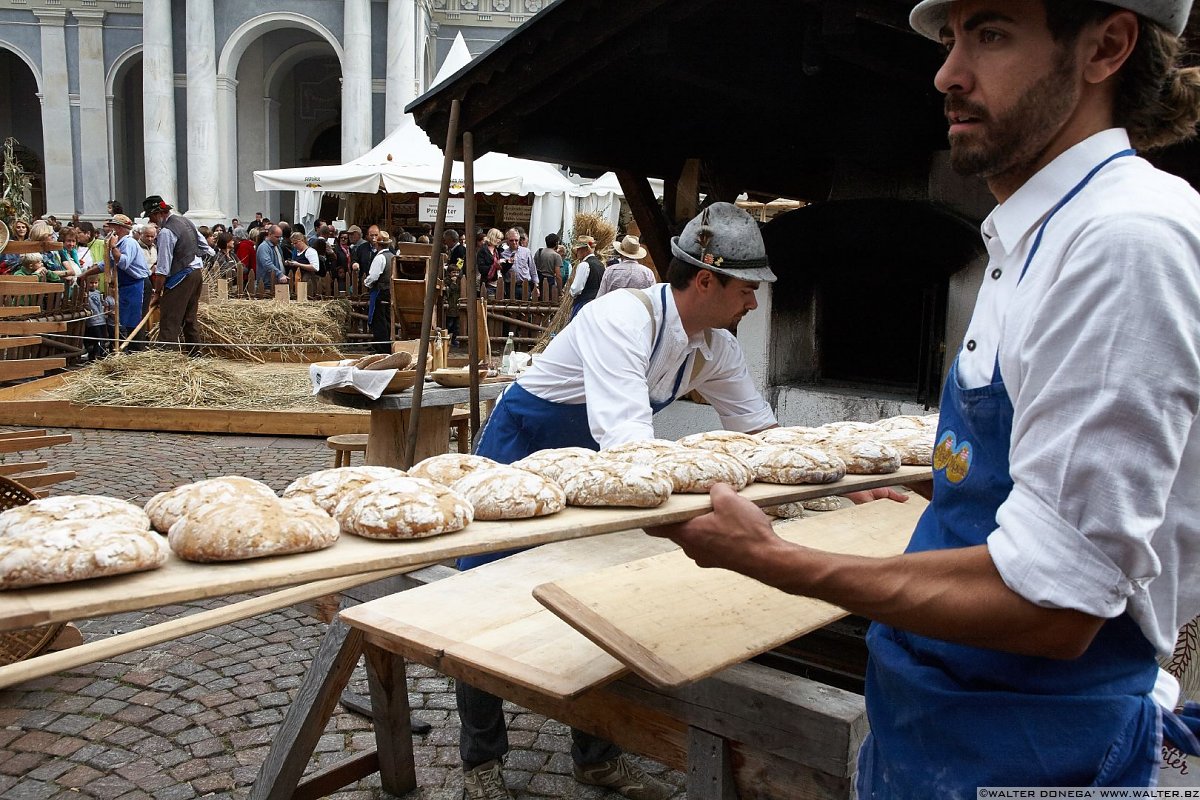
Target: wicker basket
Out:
[28,642]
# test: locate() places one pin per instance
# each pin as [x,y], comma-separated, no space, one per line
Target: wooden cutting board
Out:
[673,623]
[181,581]
[487,617]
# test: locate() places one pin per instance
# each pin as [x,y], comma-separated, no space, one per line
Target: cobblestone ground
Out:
[194,717]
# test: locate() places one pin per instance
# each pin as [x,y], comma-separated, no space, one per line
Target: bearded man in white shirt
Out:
[622,359]
[1015,643]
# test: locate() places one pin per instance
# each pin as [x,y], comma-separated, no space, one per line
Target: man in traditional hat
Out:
[1015,644]
[126,256]
[177,278]
[599,382]
[589,271]
[627,273]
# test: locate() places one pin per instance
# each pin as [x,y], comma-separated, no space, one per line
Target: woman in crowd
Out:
[487,259]
[244,248]
[306,260]
[226,259]
[41,231]
[344,259]
[19,233]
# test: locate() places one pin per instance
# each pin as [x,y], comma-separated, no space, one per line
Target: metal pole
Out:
[432,273]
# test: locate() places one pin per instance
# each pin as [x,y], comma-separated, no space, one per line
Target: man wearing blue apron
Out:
[1015,642]
[625,357]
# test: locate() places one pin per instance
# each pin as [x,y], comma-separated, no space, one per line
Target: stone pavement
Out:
[194,717]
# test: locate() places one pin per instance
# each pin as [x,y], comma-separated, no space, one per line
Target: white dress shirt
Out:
[603,358]
[1099,348]
[377,267]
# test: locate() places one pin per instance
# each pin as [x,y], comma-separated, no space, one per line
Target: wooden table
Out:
[391,415]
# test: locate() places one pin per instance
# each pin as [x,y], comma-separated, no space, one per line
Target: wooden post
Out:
[392,721]
[301,291]
[655,232]
[710,767]
[687,191]
[431,278]
[222,289]
[472,275]
[283,293]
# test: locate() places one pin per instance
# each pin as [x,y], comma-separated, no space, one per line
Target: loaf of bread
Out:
[326,487]
[556,463]
[252,528]
[903,422]
[165,508]
[794,465]
[617,483]
[75,537]
[915,445]
[641,451]
[863,456]
[506,492]
[693,470]
[731,442]
[851,429]
[402,508]
[792,436]
[449,467]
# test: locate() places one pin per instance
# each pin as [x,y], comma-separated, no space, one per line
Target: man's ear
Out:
[1108,45]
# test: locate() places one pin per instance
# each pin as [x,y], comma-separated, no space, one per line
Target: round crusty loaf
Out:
[165,508]
[640,451]
[730,442]
[617,483]
[403,508]
[863,456]
[326,487]
[851,429]
[253,528]
[449,467]
[505,492]
[556,463]
[791,436]
[695,470]
[75,537]
[903,422]
[794,465]
[915,446]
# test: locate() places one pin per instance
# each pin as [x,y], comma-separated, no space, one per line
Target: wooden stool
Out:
[344,444]
[460,420]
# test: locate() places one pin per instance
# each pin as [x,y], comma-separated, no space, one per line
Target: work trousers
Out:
[177,311]
[381,326]
[483,736]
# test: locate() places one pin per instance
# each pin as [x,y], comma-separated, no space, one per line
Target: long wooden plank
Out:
[179,581]
[19,327]
[45,478]
[19,341]
[20,434]
[14,470]
[672,622]
[19,311]
[9,287]
[29,367]
[32,442]
[488,617]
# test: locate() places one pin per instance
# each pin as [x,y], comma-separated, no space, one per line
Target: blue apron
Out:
[523,423]
[948,718]
[130,295]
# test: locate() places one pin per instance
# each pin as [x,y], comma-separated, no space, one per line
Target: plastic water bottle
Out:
[506,359]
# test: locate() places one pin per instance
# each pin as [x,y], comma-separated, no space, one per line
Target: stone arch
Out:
[29,62]
[119,65]
[127,150]
[288,59]
[255,27]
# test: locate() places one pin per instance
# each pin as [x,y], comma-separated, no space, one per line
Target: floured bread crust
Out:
[556,463]
[731,442]
[855,430]
[449,467]
[830,503]
[403,508]
[252,528]
[505,492]
[695,470]
[904,422]
[617,483]
[326,487]
[915,445]
[794,465]
[75,537]
[642,451]
[864,456]
[166,508]
[791,436]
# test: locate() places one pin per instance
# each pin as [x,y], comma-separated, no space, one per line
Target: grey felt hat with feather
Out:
[723,238]
[928,17]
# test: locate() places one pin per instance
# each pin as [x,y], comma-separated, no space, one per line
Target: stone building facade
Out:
[186,98]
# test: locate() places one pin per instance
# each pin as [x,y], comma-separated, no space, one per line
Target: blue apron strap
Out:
[1182,728]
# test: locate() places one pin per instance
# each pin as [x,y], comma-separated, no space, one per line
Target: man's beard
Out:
[1020,134]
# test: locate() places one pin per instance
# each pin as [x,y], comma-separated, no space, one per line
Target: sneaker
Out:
[485,782]
[625,778]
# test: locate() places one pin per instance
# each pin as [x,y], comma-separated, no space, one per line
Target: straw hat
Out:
[384,239]
[122,220]
[630,247]
[584,241]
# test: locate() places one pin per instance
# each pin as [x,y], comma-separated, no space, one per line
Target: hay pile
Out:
[169,379]
[283,327]
[605,233]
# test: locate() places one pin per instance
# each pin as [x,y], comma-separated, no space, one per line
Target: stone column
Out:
[356,80]
[158,100]
[228,145]
[203,154]
[271,132]
[93,114]
[56,115]
[402,85]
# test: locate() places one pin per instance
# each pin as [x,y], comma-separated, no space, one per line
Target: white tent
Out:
[407,161]
[602,196]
